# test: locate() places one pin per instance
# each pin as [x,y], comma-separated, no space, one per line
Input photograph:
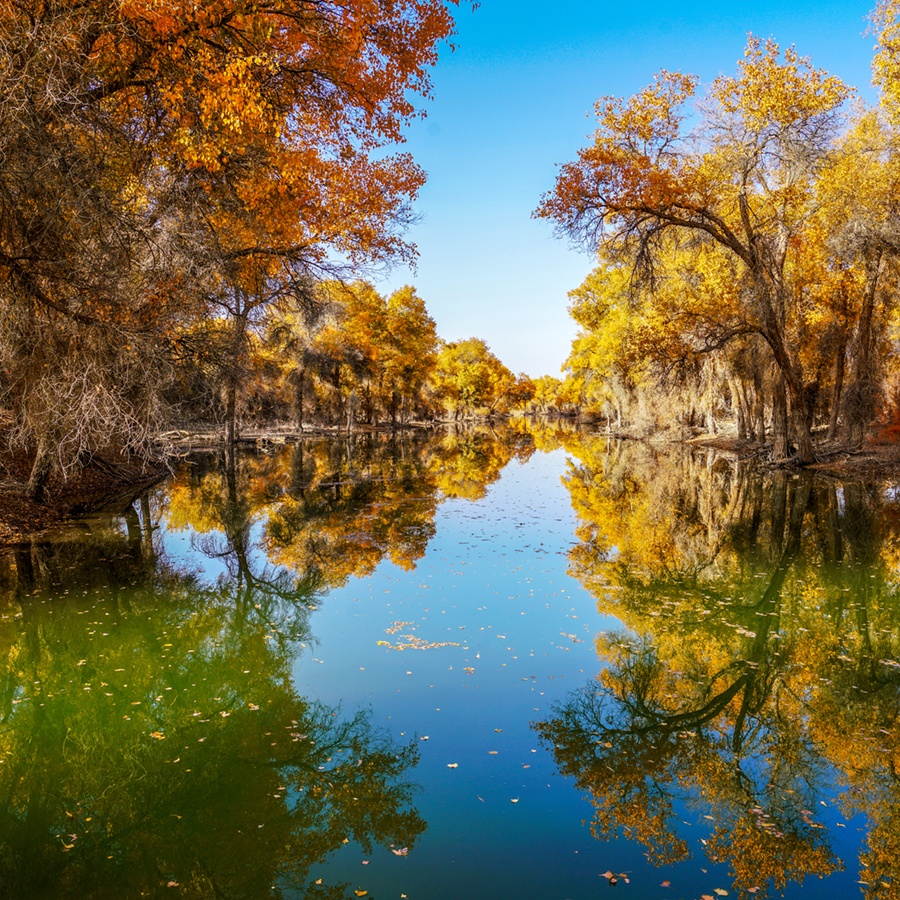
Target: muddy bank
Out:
[876,461]
[101,485]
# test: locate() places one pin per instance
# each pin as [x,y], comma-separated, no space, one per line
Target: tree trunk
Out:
[837,397]
[146,527]
[299,377]
[779,419]
[739,406]
[230,411]
[40,474]
[800,426]
[759,406]
[336,386]
[235,367]
[860,396]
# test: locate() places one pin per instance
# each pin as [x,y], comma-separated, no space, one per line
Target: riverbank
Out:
[112,485]
[876,460]
[100,485]
[104,485]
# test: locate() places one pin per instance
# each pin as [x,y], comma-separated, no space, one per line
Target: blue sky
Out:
[515,99]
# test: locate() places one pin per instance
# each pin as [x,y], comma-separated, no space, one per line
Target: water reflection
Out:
[152,733]
[756,675]
[151,736]
[332,509]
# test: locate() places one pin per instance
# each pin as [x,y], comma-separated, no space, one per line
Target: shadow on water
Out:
[756,676]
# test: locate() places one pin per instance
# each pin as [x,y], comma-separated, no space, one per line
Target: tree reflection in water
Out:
[757,673]
[150,733]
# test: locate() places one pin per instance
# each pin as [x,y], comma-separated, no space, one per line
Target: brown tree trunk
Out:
[779,419]
[235,367]
[800,426]
[739,405]
[837,397]
[336,386]
[146,527]
[299,377]
[40,474]
[759,406]
[860,396]
[230,411]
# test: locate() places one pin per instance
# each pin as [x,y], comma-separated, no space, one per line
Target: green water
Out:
[525,663]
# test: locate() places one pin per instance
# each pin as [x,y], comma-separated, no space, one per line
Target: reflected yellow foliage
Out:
[759,665]
[332,510]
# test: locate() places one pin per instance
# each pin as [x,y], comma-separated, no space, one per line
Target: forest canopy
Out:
[192,197]
[166,168]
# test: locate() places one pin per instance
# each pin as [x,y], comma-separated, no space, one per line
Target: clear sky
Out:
[515,99]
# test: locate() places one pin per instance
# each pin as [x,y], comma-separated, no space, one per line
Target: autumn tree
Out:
[742,179]
[245,140]
[353,346]
[469,376]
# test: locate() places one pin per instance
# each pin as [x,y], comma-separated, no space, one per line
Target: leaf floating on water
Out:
[721,892]
[172,884]
[452,765]
[513,799]
[399,851]
[360,893]
[158,735]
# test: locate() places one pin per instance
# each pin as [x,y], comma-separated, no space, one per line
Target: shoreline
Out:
[104,486]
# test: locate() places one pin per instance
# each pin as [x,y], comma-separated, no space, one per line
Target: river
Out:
[481,664]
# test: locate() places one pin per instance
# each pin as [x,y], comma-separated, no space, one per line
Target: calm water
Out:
[474,666]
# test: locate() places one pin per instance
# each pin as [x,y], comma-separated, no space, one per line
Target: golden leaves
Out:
[770,93]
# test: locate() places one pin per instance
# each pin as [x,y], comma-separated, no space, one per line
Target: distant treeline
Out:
[348,356]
